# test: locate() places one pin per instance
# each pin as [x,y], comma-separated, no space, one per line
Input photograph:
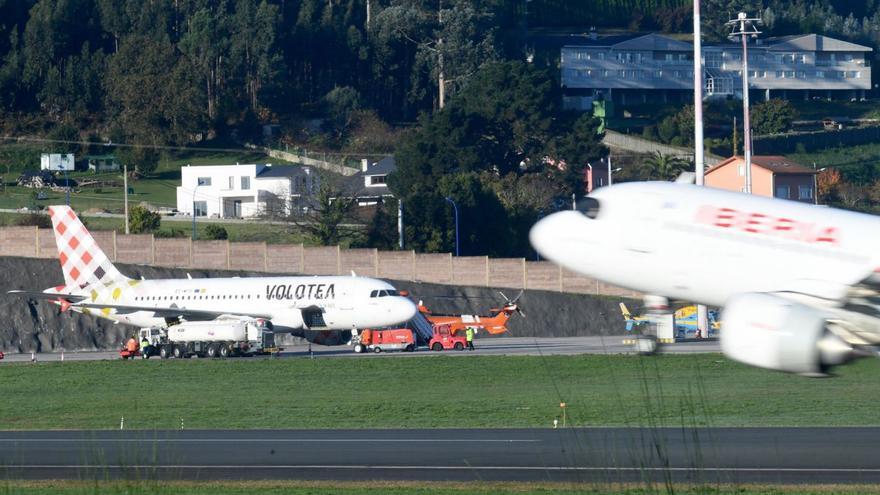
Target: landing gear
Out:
[646,345]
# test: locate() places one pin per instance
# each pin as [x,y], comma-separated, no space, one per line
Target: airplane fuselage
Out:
[344,302]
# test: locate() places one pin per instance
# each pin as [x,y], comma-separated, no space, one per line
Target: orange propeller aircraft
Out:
[495,323]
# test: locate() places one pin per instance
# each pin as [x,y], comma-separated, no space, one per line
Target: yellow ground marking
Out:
[116,293]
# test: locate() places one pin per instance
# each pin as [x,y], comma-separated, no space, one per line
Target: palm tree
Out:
[665,167]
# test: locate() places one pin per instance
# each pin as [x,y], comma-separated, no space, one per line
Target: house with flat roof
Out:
[772,176]
[657,68]
[246,190]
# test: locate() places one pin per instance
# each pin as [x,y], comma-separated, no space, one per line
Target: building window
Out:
[204,181]
[200,208]
[377,179]
[820,74]
[245,183]
[801,74]
[783,192]
[231,182]
[789,74]
[805,192]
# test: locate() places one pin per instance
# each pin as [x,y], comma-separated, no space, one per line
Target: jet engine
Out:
[772,332]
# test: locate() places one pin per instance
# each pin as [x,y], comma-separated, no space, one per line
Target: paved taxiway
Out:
[485,346]
[725,455]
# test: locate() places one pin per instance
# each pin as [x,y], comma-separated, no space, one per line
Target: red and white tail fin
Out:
[82,261]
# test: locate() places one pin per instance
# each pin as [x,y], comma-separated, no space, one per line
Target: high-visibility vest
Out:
[144,343]
[469,334]
[132,345]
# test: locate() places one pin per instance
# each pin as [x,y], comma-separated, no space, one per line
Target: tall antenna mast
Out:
[745,26]
[699,159]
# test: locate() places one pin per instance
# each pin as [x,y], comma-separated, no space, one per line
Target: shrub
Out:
[215,232]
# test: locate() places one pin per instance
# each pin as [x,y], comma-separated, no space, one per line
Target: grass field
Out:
[436,391]
[238,231]
[379,488]
[159,189]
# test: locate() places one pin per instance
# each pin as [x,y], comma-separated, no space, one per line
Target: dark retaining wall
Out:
[31,326]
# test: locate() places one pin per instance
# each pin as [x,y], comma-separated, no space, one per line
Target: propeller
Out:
[512,304]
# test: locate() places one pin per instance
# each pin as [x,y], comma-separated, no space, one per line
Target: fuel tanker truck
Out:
[215,338]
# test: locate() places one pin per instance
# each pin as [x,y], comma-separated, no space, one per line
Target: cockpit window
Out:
[381,293]
[375,293]
[588,206]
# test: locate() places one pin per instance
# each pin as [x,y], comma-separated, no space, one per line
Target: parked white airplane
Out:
[800,284]
[322,309]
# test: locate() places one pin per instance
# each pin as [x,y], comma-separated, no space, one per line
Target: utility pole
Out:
[442,80]
[609,168]
[699,158]
[744,26]
[400,223]
[125,194]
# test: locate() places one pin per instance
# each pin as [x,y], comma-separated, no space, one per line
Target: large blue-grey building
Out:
[657,68]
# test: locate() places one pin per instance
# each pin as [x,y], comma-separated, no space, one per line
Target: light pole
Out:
[618,169]
[194,210]
[744,26]
[455,208]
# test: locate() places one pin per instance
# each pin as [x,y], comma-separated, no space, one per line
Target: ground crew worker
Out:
[132,345]
[469,335]
[144,344]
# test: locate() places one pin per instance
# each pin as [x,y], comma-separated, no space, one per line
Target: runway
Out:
[507,346]
[594,455]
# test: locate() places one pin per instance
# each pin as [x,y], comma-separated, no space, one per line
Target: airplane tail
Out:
[82,261]
[625,312]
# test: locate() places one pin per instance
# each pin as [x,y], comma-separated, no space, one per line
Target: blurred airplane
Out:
[799,283]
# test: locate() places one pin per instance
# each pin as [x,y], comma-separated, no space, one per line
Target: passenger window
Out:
[589,207]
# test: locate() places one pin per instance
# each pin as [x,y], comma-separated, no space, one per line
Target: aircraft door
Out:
[643,238]
[345,299]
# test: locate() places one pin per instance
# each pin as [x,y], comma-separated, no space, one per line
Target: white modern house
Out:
[241,191]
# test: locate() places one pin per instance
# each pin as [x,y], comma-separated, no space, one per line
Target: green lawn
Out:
[435,391]
[238,231]
[389,488]
[158,189]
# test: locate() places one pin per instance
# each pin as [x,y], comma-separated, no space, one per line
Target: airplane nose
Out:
[404,309]
[553,234]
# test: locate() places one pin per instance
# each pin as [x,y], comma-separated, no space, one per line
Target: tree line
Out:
[165,70]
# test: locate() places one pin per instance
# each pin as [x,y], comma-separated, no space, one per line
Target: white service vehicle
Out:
[217,338]
[799,283]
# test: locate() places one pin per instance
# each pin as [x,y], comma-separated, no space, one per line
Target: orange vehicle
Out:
[495,323]
[400,339]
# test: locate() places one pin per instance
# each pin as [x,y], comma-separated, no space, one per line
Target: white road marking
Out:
[265,440]
[447,468]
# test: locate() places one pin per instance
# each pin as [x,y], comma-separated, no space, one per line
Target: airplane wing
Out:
[188,314]
[46,295]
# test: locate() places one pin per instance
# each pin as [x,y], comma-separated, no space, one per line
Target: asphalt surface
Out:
[507,346]
[719,455]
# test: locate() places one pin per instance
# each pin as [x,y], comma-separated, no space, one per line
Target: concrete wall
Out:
[436,268]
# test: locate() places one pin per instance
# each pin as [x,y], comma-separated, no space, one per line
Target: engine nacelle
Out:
[775,333]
